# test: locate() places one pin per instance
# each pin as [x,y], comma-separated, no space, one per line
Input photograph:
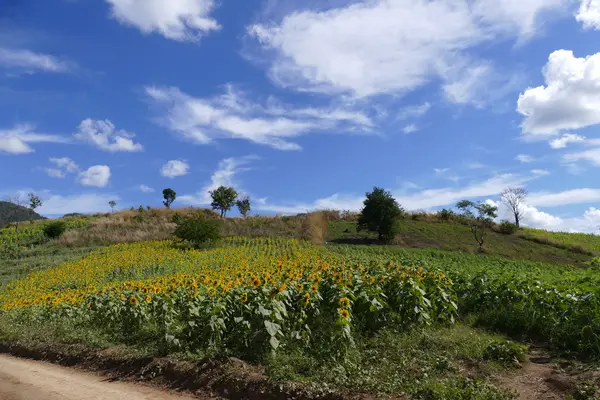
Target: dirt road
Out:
[22,379]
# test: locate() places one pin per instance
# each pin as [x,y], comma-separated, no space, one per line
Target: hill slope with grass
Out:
[454,236]
[10,212]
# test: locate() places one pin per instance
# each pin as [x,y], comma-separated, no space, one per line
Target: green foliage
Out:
[141,209]
[200,232]
[479,216]
[445,215]
[169,195]
[34,201]
[223,198]
[243,206]
[381,213]
[507,228]
[505,351]
[112,205]
[10,212]
[140,218]
[588,241]
[54,229]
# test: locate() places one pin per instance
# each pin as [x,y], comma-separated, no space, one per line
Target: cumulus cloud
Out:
[29,61]
[16,140]
[97,175]
[569,99]
[146,189]
[232,115]
[62,167]
[175,168]
[390,46]
[589,14]
[105,136]
[181,20]
[564,140]
[224,175]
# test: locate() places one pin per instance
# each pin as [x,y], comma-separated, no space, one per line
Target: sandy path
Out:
[22,379]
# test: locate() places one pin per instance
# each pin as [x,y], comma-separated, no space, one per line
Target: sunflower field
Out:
[245,297]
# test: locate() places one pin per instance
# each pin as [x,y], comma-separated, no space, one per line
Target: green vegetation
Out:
[223,199]
[169,197]
[243,206]
[381,213]
[198,231]
[10,212]
[54,229]
[579,241]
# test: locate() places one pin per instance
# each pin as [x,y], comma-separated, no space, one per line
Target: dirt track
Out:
[22,379]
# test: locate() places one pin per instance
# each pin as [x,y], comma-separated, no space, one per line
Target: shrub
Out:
[507,228]
[445,215]
[140,218]
[505,351]
[54,230]
[198,231]
[381,213]
[177,218]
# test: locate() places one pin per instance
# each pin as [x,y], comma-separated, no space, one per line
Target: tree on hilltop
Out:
[223,198]
[381,213]
[169,195]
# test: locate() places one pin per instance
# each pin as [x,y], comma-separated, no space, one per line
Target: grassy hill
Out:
[453,236]
[10,212]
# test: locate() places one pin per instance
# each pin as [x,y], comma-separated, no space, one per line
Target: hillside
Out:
[10,212]
[453,236]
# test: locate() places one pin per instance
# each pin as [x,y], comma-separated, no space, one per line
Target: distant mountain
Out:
[10,212]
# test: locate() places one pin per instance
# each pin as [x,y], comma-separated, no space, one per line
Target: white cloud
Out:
[181,20]
[103,135]
[591,155]
[541,172]
[589,14]
[410,128]
[80,203]
[564,140]
[389,46]
[415,111]
[146,189]
[175,168]
[16,140]
[570,98]
[524,158]
[421,200]
[231,115]
[63,167]
[223,176]
[97,175]
[440,171]
[29,61]
[567,197]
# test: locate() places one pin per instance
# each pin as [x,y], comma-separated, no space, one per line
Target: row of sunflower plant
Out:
[246,297]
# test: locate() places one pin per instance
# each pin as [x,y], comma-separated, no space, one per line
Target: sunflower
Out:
[148,299]
[133,300]
[244,297]
[344,314]
[344,302]
[306,298]
[255,282]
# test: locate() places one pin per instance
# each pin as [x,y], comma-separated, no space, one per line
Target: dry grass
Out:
[315,227]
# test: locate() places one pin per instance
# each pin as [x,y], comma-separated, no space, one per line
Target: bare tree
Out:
[514,199]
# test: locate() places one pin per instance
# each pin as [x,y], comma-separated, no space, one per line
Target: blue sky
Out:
[303,105]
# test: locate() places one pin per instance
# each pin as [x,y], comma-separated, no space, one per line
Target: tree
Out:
[243,205]
[34,202]
[381,213]
[112,205]
[169,195]
[479,216]
[223,199]
[514,199]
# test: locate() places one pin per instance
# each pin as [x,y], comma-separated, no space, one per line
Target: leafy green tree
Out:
[243,205]
[223,199]
[112,205]
[479,216]
[169,195]
[34,202]
[381,213]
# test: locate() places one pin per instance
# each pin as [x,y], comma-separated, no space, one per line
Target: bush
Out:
[505,351]
[445,215]
[198,231]
[140,218]
[507,228]
[54,230]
